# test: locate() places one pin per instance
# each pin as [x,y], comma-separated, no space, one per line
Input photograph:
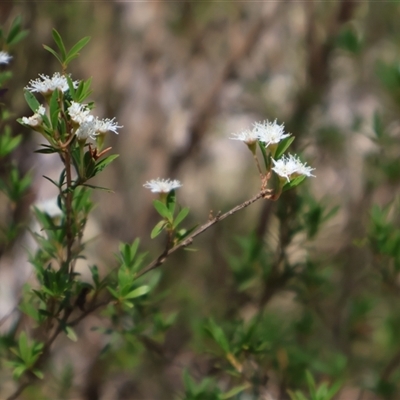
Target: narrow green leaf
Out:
[23,347]
[38,373]
[140,291]
[171,201]
[17,38]
[218,335]
[104,162]
[181,216]
[31,100]
[18,371]
[49,150]
[266,157]
[293,183]
[71,334]
[235,391]
[158,229]
[76,48]
[113,292]
[14,30]
[163,210]
[54,109]
[283,146]
[71,87]
[59,42]
[55,54]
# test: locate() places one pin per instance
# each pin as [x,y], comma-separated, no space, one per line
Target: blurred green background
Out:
[181,77]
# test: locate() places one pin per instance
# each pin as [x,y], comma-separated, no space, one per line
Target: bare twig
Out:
[161,259]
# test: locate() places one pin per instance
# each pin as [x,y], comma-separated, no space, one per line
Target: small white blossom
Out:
[248,136]
[86,130]
[79,113]
[302,169]
[47,85]
[162,185]
[50,207]
[4,57]
[270,132]
[105,125]
[36,119]
[286,167]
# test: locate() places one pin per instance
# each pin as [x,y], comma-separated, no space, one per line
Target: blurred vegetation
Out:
[298,299]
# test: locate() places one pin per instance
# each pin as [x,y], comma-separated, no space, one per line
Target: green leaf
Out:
[265,155]
[76,48]
[163,210]
[38,373]
[113,292]
[218,335]
[23,347]
[283,146]
[104,162]
[181,216]
[59,42]
[17,38]
[235,391]
[140,291]
[171,201]
[54,109]
[311,384]
[71,333]
[158,229]
[49,49]
[31,100]
[18,371]
[14,30]
[293,183]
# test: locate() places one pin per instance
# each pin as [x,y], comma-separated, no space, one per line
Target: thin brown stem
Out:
[161,259]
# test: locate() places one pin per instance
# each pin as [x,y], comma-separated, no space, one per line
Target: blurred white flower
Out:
[4,57]
[36,119]
[290,166]
[270,132]
[105,125]
[47,85]
[50,207]
[78,112]
[248,136]
[86,130]
[162,185]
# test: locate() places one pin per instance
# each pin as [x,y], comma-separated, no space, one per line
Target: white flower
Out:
[47,85]
[248,136]
[36,119]
[105,125]
[49,207]
[302,169]
[79,113]
[286,167]
[162,185]
[86,130]
[4,57]
[270,132]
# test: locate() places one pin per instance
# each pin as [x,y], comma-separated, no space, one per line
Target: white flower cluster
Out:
[4,57]
[266,132]
[290,166]
[271,133]
[46,85]
[162,185]
[88,125]
[36,119]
